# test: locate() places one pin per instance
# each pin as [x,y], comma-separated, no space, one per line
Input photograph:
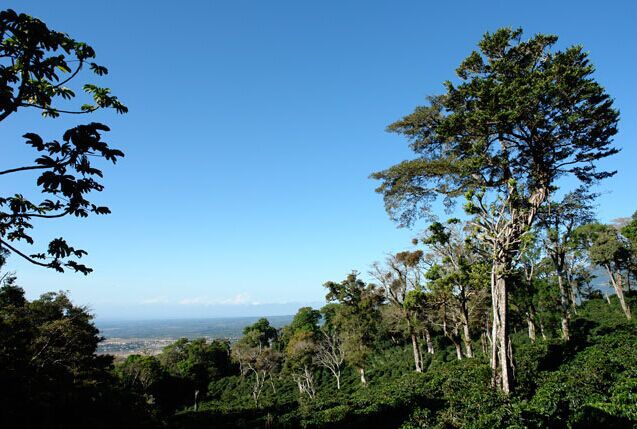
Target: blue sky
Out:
[252,131]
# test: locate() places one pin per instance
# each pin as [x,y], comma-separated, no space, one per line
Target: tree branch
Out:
[70,112]
[28,258]
[32,167]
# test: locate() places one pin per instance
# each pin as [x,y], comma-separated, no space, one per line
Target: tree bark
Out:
[500,356]
[616,280]
[531,322]
[458,350]
[430,344]
[363,379]
[541,325]
[572,292]
[466,334]
[416,349]
[564,305]
[414,343]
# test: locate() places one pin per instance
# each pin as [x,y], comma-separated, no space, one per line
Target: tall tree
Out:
[457,279]
[629,231]
[356,318]
[526,294]
[330,353]
[608,249]
[420,304]
[560,219]
[301,338]
[36,65]
[521,117]
[400,275]
[257,356]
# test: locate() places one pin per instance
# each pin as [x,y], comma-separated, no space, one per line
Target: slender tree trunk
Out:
[458,350]
[337,375]
[414,344]
[363,379]
[272,384]
[572,294]
[430,344]
[531,323]
[500,350]
[454,337]
[416,349]
[483,344]
[466,334]
[542,332]
[487,333]
[564,305]
[256,389]
[309,383]
[616,280]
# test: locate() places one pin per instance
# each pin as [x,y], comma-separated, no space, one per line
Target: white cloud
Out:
[238,299]
[155,300]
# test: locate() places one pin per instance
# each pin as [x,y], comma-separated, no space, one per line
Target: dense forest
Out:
[514,310]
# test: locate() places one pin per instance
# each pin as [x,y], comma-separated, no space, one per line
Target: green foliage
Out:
[492,130]
[605,245]
[49,371]
[37,64]
[197,361]
[357,317]
[305,320]
[587,382]
[579,393]
[261,332]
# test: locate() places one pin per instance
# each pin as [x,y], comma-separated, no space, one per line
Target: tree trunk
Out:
[458,350]
[430,344]
[466,334]
[541,325]
[256,391]
[309,382]
[414,344]
[572,295]
[530,321]
[363,379]
[416,349]
[487,333]
[337,375]
[564,305]
[616,280]
[500,356]
[196,400]
[272,384]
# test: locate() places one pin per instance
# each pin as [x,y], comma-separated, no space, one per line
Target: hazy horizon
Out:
[174,312]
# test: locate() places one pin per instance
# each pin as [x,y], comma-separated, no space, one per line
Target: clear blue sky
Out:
[252,130]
